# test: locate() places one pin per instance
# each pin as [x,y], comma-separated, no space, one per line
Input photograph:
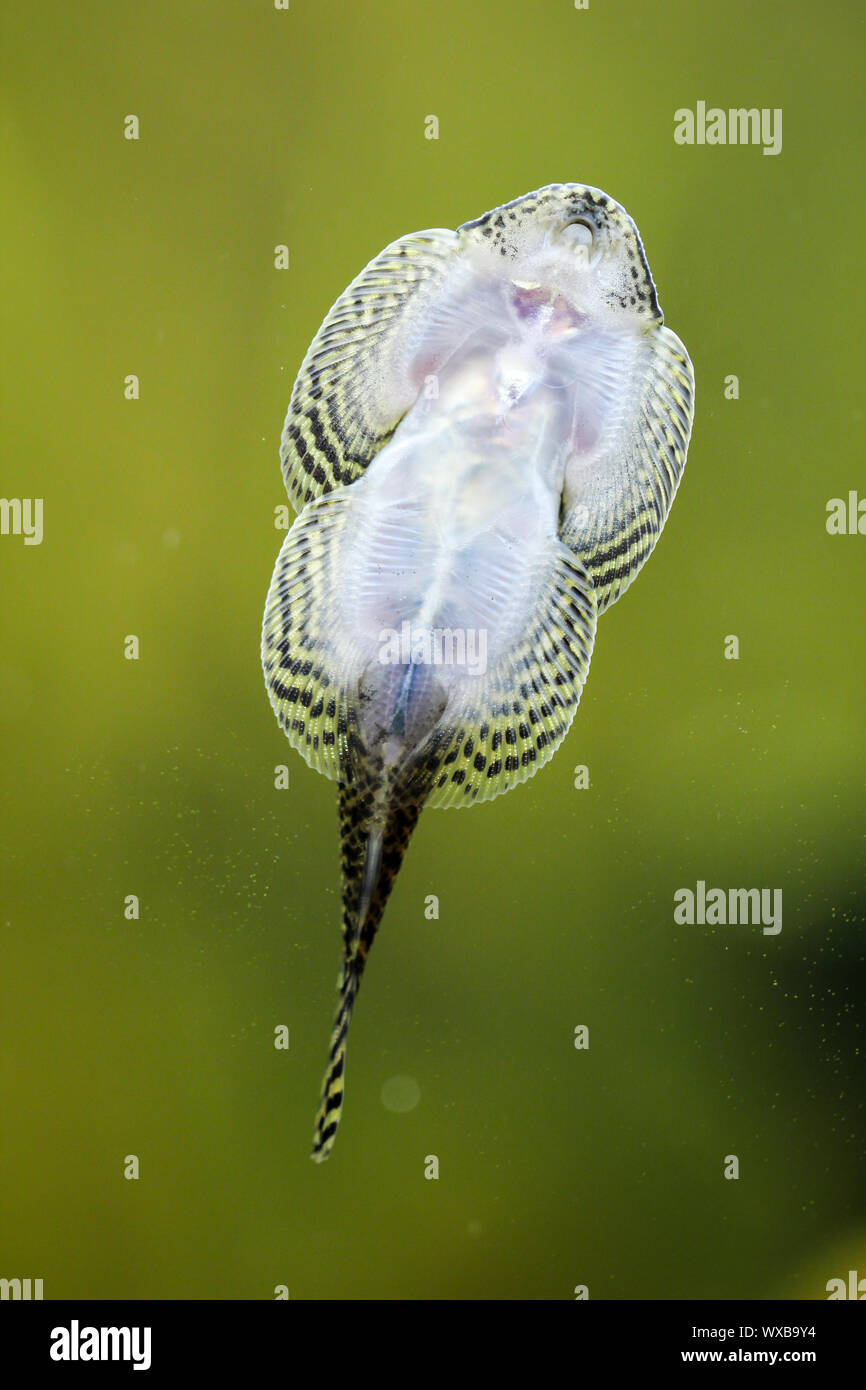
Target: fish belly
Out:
[455,523]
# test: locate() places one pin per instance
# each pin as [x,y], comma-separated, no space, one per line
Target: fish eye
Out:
[579,236]
[578,232]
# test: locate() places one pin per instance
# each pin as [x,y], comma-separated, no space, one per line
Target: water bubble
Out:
[400,1094]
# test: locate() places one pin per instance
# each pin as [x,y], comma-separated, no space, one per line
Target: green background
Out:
[156,777]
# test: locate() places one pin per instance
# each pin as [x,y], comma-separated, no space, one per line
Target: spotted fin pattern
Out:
[356,383]
[304,675]
[618,496]
[510,722]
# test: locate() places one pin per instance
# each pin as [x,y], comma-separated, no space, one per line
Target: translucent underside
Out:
[454,524]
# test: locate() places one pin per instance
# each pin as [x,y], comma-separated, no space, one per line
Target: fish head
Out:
[567,248]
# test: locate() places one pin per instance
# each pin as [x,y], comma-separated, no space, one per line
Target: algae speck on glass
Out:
[483,444]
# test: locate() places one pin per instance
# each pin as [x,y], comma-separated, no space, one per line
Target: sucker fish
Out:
[482,445]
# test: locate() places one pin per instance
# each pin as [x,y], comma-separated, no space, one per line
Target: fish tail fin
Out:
[378,812]
[331,1101]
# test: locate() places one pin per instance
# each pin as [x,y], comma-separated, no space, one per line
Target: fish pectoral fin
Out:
[355,383]
[506,724]
[618,495]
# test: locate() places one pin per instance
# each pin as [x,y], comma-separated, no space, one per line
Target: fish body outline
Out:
[485,437]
